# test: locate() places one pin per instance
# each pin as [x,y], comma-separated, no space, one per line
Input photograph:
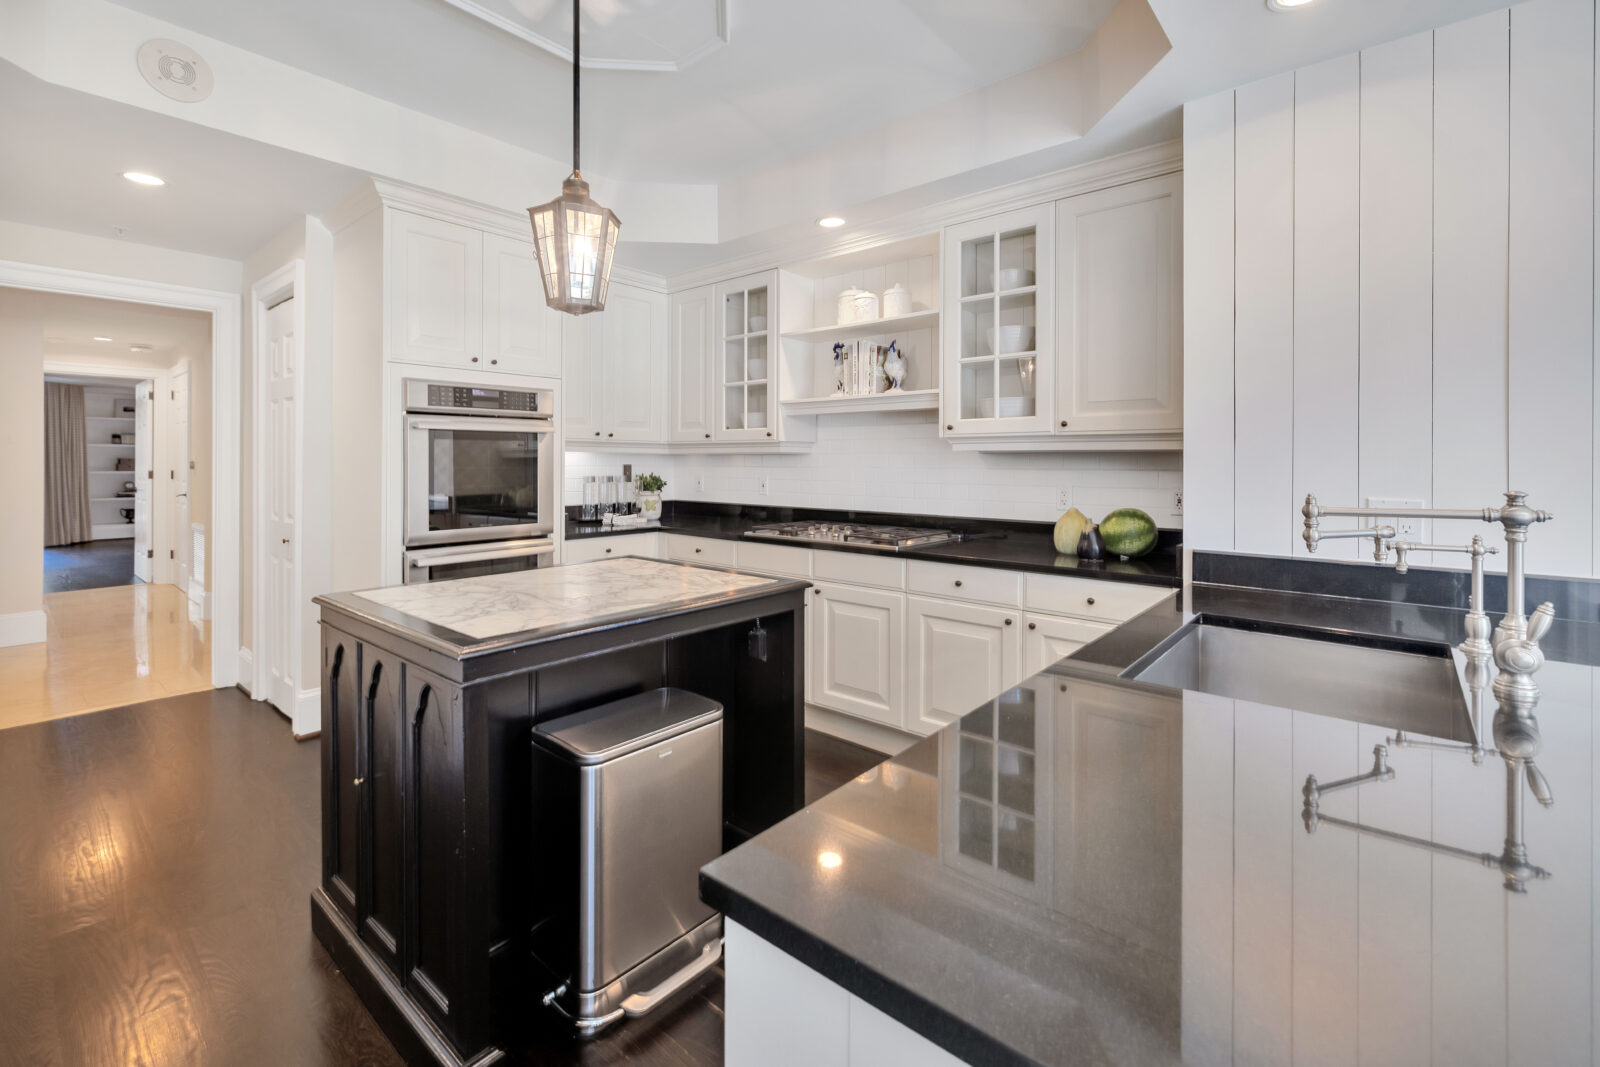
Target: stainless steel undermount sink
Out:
[1398,684]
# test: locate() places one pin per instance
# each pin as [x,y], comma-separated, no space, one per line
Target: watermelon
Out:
[1068,528]
[1128,532]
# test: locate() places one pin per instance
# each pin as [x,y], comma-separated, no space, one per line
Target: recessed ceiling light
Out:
[103,338]
[830,222]
[1286,5]
[829,859]
[139,177]
[139,348]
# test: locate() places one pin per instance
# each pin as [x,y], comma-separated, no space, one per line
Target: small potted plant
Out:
[650,486]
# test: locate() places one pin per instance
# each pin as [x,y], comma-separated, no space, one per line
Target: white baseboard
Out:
[871,735]
[22,628]
[247,671]
[307,718]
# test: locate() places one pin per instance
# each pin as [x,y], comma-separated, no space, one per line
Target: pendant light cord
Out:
[575,65]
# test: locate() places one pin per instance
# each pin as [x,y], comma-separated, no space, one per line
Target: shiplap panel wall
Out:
[1440,329]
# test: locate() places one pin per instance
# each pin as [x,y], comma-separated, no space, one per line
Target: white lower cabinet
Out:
[957,656]
[1048,638]
[781,1013]
[858,666]
[593,548]
[701,549]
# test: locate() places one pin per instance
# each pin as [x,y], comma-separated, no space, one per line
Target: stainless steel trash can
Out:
[627,809]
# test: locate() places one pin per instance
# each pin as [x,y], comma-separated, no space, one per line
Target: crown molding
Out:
[1136,165]
[383,192]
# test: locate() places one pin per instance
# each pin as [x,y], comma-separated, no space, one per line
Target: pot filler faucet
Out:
[1515,643]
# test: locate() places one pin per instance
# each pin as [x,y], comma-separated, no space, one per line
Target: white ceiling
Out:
[794,77]
[62,154]
[71,324]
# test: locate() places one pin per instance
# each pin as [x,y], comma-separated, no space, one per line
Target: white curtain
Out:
[66,466]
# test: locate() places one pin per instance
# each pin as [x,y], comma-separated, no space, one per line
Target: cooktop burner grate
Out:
[866,535]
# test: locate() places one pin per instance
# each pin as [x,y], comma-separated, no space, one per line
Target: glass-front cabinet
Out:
[999,340]
[747,375]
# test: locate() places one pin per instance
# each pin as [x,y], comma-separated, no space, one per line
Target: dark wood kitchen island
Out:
[429,696]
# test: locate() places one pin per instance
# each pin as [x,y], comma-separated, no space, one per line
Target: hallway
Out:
[92,565]
[105,648]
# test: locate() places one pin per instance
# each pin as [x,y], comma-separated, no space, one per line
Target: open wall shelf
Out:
[905,400]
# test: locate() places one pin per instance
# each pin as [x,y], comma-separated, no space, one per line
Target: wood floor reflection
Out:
[106,648]
[155,868]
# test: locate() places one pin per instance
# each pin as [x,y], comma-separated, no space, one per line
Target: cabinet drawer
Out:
[980,584]
[772,559]
[701,549]
[1109,601]
[858,568]
[592,548]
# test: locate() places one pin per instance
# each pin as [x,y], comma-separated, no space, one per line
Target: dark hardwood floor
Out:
[155,866]
[91,565]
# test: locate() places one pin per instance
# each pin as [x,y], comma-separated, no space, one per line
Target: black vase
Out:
[1091,545]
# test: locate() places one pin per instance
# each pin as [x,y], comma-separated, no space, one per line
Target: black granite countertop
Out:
[1089,870]
[1019,546]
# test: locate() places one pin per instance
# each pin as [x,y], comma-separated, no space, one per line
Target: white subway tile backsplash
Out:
[896,462]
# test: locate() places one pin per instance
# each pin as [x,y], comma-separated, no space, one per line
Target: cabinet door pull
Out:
[1033,626]
[608,552]
[1091,600]
[597,433]
[474,359]
[947,426]
[698,551]
[1063,423]
[708,437]
[494,363]
[769,433]
[611,435]
[958,583]
[1008,622]
[358,781]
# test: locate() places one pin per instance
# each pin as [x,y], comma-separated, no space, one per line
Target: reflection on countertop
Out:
[1021,546]
[1090,870]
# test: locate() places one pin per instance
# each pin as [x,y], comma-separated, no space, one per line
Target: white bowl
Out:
[758,323]
[1011,407]
[755,370]
[756,420]
[1015,278]
[1010,339]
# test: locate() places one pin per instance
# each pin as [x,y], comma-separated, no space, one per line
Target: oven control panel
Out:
[453,399]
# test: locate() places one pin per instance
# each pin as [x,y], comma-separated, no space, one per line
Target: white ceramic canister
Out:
[896,300]
[847,305]
[866,305]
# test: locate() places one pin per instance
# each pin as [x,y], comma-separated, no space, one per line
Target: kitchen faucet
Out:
[1515,643]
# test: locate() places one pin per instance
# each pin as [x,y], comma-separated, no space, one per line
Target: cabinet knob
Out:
[958,583]
[815,591]
[708,437]
[698,551]
[1033,626]
[1091,600]
[1063,422]
[611,435]
[608,552]
[597,433]
[769,433]
[474,359]
[1008,622]
[947,426]
[494,362]
[358,781]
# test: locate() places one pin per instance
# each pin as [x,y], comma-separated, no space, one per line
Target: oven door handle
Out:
[481,423]
[440,557]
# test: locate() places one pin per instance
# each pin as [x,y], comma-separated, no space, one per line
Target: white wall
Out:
[1390,286]
[22,434]
[896,462]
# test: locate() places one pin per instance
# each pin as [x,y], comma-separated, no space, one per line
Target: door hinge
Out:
[172,553]
[172,394]
[191,464]
[150,476]
[171,475]
[152,395]
[149,553]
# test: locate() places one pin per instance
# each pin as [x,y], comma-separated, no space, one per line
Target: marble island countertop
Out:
[469,615]
[1089,871]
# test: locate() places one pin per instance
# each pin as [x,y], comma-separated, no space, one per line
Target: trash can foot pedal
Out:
[640,1003]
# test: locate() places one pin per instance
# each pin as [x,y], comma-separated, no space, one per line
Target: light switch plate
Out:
[761,484]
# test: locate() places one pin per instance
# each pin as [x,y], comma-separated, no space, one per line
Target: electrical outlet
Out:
[1405,529]
[761,484]
[699,483]
[1063,499]
[1177,501]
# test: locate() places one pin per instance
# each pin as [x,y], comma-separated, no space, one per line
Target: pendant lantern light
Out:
[574,237]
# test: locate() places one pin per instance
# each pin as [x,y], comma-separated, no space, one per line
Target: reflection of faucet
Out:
[1477,641]
[1516,639]
[1313,791]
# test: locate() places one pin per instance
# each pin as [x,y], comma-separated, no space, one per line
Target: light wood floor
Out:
[106,648]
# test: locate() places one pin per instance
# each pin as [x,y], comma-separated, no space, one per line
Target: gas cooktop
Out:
[866,535]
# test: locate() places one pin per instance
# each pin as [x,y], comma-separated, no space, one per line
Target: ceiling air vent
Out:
[175,70]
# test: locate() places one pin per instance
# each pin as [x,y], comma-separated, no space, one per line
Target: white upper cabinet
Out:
[521,333]
[999,336]
[1119,337]
[691,383]
[614,370]
[435,291]
[746,357]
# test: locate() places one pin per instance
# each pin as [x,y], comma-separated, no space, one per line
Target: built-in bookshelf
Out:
[109,434]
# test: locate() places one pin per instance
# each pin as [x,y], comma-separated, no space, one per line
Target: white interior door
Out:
[279,640]
[143,464]
[178,476]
